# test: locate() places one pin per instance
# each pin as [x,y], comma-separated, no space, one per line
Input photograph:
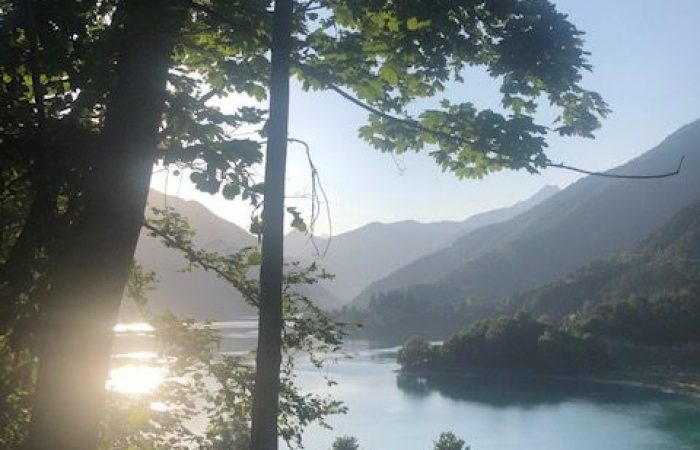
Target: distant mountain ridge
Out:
[193,294]
[592,218]
[361,256]
[355,257]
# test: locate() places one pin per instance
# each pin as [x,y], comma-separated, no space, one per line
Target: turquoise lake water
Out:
[388,410]
[391,411]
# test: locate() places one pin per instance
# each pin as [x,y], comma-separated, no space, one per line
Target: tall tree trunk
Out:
[267,376]
[88,285]
[16,275]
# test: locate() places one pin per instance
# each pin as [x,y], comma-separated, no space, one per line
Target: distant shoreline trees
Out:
[517,345]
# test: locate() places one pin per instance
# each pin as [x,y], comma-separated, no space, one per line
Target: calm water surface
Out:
[393,411]
[389,411]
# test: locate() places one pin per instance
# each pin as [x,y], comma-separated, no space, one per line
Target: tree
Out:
[270,324]
[448,441]
[86,86]
[345,443]
[390,54]
[415,353]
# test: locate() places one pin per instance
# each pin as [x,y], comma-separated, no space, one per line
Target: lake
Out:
[388,410]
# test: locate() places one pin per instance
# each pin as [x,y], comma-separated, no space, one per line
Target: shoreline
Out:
[668,386]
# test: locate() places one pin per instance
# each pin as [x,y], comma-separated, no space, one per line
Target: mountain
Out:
[195,294]
[356,257]
[200,294]
[665,266]
[592,218]
[370,252]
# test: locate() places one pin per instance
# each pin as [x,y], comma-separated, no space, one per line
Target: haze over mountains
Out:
[193,294]
[361,256]
[357,257]
[593,218]
[489,256]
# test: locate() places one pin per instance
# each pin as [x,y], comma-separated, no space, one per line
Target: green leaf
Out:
[389,74]
[231,191]
[254,258]
[297,221]
[413,24]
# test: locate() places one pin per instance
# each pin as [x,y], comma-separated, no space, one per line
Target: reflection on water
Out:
[139,372]
[136,367]
[389,410]
[505,391]
[134,327]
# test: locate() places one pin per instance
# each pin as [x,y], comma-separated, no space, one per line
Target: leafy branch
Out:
[415,125]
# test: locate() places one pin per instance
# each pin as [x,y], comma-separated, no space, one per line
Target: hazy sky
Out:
[646,58]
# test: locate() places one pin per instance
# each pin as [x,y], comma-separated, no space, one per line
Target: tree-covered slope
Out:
[443,251]
[591,219]
[657,281]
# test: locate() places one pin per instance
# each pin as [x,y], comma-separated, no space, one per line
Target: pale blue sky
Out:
[646,65]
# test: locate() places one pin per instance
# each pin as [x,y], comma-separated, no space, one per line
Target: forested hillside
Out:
[648,294]
[592,218]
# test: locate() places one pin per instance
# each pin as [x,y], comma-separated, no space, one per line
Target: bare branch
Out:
[316,188]
[613,175]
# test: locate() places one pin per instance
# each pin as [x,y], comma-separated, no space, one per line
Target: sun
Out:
[135,378]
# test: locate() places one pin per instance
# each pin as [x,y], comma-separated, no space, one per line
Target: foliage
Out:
[429,311]
[17,375]
[663,319]
[59,79]
[58,74]
[345,443]
[206,387]
[392,53]
[508,345]
[647,295]
[308,332]
[448,441]
[415,353]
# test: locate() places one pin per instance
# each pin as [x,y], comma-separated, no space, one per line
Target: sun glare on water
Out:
[135,327]
[135,378]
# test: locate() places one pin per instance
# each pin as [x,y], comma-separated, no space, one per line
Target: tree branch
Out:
[417,126]
[612,175]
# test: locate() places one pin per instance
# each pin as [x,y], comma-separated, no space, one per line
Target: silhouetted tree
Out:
[345,443]
[448,441]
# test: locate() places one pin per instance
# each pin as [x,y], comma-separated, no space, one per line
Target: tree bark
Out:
[268,358]
[87,286]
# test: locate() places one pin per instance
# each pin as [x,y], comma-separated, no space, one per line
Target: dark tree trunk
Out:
[267,376]
[16,274]
[87,286]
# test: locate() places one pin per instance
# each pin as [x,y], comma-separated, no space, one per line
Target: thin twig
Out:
[316,188]
[612,175]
